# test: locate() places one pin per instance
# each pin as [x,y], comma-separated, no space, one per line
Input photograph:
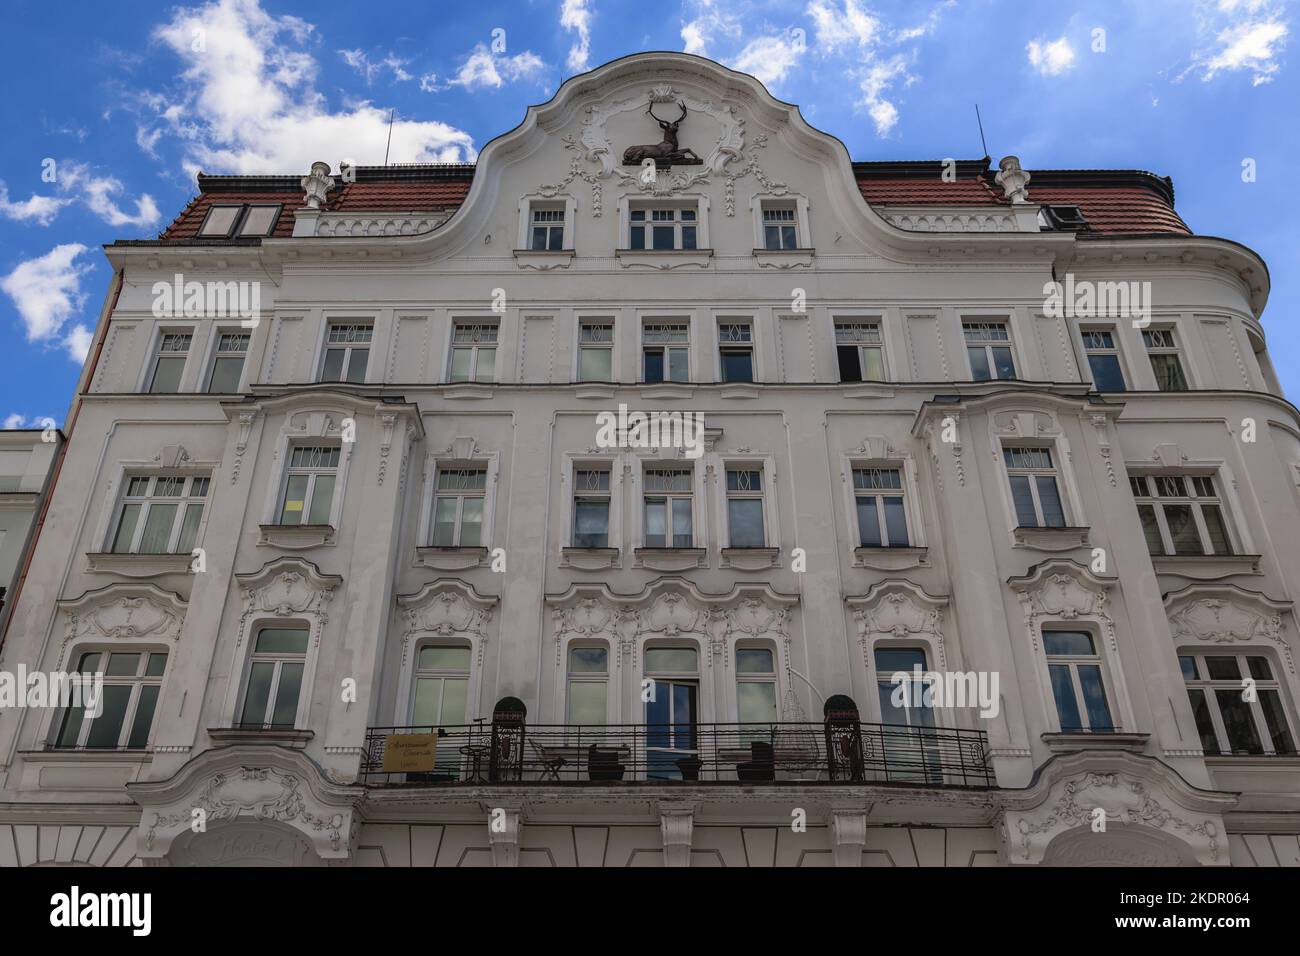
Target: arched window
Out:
[588,695]
[274,678]
[122,720]
[441,685]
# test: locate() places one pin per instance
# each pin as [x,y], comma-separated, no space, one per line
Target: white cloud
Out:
[100,192]
[575,16]
[38,209]
[769,58]
[847,23]
[247,101]
[1253,46]
[483,68]
[47,293]
[1050,58]
[368,68]
[874,81]
[710,21]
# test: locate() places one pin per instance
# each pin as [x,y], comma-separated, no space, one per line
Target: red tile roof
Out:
[1114,202]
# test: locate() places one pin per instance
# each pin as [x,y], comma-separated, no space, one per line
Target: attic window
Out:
[1065,218]
[223,222]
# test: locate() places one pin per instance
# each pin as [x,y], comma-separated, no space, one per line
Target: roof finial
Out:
[317,184]
[1012,179]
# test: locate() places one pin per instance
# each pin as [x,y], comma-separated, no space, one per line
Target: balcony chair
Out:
[761,766]
[551,765]
[603,764]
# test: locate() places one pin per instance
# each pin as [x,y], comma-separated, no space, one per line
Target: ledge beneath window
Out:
[664,258]
[891,559]
[599,392]
[1206,567]
[670,559]
[451,559]
[784,258]
[739,390]
[1117,740]
[750,559]
[666,390]
[543,259]
[138,565]
[274,737]
[296,536]
[869,390]
[470,390]
[1049,539]
[590,559]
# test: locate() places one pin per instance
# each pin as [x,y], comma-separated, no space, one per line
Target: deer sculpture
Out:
[667,153]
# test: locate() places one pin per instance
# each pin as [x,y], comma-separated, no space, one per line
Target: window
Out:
[169,363]
[860,351]
[1162,349]
[1033,487]
[988,345]
[228,365]
[473,352]
[780,229]
[662,229]
[666,351]
[259,220]
[736,350]
[668,503]
[274,678]
[159,514]
[1181,514]
[441,685]
[910,753]
[547,229]
[672,710]
[458,507]
[1075,672]
[591,507]
[745,507]
[1103,359]
[878,499]
[309,485]
[596,350]
[347,352]
[1229,719]
[588,684]
[219,223]
[132,680]
[756,687]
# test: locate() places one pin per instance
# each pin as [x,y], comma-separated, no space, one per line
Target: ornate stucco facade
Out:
[1024,504]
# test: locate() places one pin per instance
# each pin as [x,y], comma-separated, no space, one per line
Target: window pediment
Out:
[120,612]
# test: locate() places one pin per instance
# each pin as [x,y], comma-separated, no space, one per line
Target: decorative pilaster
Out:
[503,835]
[676,824]
[849,830]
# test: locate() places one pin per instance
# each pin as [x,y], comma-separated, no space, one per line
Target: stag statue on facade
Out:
[667,153]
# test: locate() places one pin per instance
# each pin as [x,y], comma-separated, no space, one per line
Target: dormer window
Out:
[229,221]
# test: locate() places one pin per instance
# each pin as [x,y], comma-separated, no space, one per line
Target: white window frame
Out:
[460,494]
[1056,472]
[798,202]
[1195,500]
[1175,350]
[349,349]
[1114,349]
[475,347]
[690,495]
[878,493]
[571,677]
[290,470]
[1098,657]
[606,495]
[990,344]
[761,496]
[861,346]
[137,682]
[442,674]
[592,321]
[433,464]
[911,493]
[1208,686]
[157,353]
[699,203]
[279,658]
[523,238]
[751,345]
[215,353]
[772,677]
[666,347]
[149,499]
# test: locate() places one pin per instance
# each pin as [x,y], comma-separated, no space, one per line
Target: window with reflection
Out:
[274,678]
[756,686]
[1237,702]
[1074,667]
[588,696]
[123,718]
[671,713]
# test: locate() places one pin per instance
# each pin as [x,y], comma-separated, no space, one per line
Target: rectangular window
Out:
[228,364]
[1103,360]
[668,508]
[1228,719]
[588,685]
[1033,487]
[159,514]
[861,352]
[132,680]
[1181,514]
[1077,686]
[547,229]
[458,507]
[596,350]
[878,498]
[756,688]
[988,345]
[274,678]
[169,362]
[309,485]
[473,352]
[347,352]
[1162,349]
[666,351]
[662,229]
[780,227]
[745,508]
[219,223]
[591,507]
[259,220]
[736,350]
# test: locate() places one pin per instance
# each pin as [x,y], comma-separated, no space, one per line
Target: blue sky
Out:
[108,116]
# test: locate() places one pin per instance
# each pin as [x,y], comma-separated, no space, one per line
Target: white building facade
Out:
[370,584]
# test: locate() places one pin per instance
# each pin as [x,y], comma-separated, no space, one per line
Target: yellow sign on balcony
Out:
[406,753]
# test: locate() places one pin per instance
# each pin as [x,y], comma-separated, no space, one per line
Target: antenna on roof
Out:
[390,135]
[981,126]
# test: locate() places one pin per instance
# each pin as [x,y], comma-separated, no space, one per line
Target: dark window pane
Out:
[1259,668]
[539,237]
[122,665]
[891,660]
[1238,722]
[979,363]
[682,523]
[1182,529]
[286,695]
[357,365]
[591,523]
[225,374]
[1219,543]
[71,727]
[1024,501]
[1067,708]
[1223,668]
[788,237]
[1274,718]
[745,522]
[167,375]
[868,524]
[663,237]
[1068,643]
[259,690]
[281,640]
[156,666]
[1106,373]
[654,365]
[772,237]
[333,370]
[1188,666]
[688,237]
[588,660]
[143,720]
[754,660]
[1002,362]
[737,365]
[1204,723]
[107,727]
[1169,373]
[636,239]
[850,364]
[1151,529]
[1050,500]
[1094,698]
[895,522]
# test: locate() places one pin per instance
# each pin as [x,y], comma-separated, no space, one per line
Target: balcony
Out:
[833,752]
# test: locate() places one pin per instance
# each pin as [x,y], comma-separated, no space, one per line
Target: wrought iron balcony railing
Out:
[830,752]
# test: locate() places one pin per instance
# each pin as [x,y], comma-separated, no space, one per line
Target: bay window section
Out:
[309,485]
[745,508]
[1181,514]
[274,681]
[1034,487]
[1074,668]
[881,513]
[458,506]
[591,508]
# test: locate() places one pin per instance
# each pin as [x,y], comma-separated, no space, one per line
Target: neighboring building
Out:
[27,458]
[370,586]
